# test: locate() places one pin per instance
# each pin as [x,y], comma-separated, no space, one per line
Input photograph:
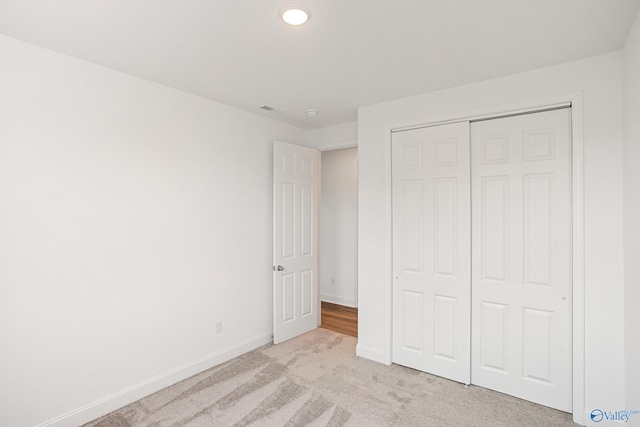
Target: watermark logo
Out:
[598,415]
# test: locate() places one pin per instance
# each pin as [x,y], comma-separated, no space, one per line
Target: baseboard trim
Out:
[110,403]
[372,354]
[334,299]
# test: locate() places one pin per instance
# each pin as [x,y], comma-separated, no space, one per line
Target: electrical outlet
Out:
[219,327]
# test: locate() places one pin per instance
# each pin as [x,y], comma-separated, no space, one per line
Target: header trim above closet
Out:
[480,118]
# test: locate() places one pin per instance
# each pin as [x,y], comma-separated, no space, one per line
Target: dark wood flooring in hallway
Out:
[339,318]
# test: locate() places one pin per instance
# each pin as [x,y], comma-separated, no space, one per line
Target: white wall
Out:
[132,218]
[599,80]
[632,214]
[334,137]
[339,227]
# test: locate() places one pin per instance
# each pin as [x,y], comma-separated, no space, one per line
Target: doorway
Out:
[338,240]
[482,253]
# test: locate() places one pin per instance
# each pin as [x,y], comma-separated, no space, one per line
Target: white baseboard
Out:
[372,354]
[335,299]
[129,395]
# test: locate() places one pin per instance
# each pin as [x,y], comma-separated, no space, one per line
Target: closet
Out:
[482,238]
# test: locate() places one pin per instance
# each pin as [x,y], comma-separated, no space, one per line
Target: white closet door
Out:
[431,250]
[521,273]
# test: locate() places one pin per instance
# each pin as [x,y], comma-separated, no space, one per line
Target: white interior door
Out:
[295,228]
[431,250]
[521,272]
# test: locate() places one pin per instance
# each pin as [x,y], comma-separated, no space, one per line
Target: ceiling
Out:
[351,53]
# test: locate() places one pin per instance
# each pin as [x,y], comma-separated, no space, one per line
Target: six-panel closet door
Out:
[482,254]
[521,251]
[431,250]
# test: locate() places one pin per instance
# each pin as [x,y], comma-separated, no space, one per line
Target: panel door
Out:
[521,272]
[295,225]
[431,250]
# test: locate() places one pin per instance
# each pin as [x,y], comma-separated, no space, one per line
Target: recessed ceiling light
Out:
[294,15]
[312,113]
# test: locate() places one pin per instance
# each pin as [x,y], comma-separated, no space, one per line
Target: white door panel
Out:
[431,208]
[482,254]
[521,273]
[295,212]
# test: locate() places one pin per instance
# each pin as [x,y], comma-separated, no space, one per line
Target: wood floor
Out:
[338,318]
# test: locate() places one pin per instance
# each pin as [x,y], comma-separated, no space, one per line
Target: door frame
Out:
[575,100]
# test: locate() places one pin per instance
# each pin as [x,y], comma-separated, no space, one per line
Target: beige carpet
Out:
[317,380]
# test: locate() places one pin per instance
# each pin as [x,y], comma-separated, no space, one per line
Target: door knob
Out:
[279,268]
